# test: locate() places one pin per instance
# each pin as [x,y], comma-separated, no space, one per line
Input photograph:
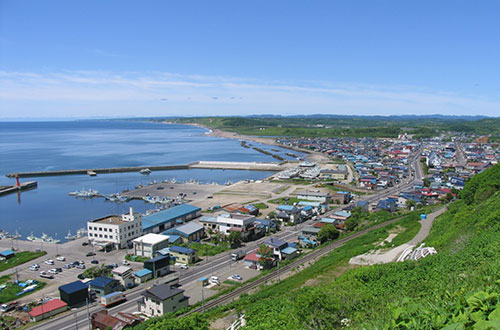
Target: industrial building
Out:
[189,232]
[159,265]
[115,231]
[166,219]
[50,308]
[74,293]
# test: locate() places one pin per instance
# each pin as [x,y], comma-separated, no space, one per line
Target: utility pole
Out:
[88,313]
[202,299]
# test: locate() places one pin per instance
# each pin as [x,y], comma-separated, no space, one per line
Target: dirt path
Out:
[379,257]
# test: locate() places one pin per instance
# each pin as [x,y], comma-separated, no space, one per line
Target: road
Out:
[78,318]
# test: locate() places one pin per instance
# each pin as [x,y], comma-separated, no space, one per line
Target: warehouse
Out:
[50,308]
[189,232]
[74,293]
[166,219]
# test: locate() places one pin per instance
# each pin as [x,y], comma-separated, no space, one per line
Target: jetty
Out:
[4,190]
[249,166]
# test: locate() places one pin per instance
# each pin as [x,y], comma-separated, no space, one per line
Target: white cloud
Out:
[67,93]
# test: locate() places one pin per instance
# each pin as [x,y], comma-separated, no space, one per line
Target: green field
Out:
[19,259]
[11,289]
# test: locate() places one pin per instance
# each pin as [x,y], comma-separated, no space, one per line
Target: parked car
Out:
[125,263]
[34,267]
[81,266]
[184,266]
[214,280]
[8,306]
[90,254]
[80,276]
[49,262]
[52,271]
[68,266]
[95,262]
[61,259]
[85,243]
[237,277]
[59,269]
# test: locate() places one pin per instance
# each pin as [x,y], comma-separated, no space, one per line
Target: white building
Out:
[149,244]
[124,275]
[115,230]
[161,299]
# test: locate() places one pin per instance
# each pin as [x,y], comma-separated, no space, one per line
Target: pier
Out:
[249,166]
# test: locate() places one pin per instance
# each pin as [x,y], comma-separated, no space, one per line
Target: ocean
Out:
[44,146]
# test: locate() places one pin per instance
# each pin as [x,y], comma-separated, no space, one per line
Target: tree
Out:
[266,254]
[410,203]
[234,239]
[328,232]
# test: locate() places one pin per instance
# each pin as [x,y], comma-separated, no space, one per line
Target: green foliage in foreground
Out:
[209,249]
[97,271]
[19,259]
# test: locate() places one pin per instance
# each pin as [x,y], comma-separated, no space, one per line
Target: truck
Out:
[237,255]
[112,299]
[8,306]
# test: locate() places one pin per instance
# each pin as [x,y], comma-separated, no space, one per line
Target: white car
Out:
[125,263]
[61,259]
[49,262]
[52,271]
[184,266]
[34,267]
[214,280]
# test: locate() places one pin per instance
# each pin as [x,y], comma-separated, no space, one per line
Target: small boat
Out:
[32,237]
[145,171]
[81,232]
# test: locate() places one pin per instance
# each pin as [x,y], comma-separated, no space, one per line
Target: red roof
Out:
[47,307]
[252,257]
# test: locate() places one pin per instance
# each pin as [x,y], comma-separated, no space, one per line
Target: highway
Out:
[78,318]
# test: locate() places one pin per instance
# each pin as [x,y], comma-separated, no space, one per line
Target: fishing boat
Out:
[81,232]
[70,237]
[145,171]
[32,237]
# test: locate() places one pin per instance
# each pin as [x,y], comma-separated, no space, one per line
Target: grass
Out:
[9,293]
[260,206]
[19,259]
[131,257]
[286,200]
[208,249]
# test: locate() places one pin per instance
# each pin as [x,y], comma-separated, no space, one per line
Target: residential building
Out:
[115,231]
[149,244]
[143,275]
[227,223]
[183,254]
[161,299]
[166,219]
[124,274]
[288,213]
[277,246]
[104,285]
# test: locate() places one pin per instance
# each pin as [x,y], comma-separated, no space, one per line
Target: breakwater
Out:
[255,166]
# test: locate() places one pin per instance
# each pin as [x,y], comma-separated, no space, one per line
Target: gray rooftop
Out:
[162,292]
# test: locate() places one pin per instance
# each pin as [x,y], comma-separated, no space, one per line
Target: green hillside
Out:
[456,289]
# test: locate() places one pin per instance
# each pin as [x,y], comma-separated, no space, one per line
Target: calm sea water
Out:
[38,146]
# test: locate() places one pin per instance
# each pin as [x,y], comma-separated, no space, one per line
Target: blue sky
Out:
[165,58]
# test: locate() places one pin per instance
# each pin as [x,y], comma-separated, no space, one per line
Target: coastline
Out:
[312,156]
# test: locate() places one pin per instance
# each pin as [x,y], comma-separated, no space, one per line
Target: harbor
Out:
[4,190]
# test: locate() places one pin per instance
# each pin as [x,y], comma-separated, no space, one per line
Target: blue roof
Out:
[286,207]
[289,250]
[343,214]
[101,282]
[73,287]
[181,249]
[173,238]
[313,204]
[142,272]
[327,220]
[168,215]
[186,230]
[164,251]
[275,242]
[7,253]
[158,258]
[307,208]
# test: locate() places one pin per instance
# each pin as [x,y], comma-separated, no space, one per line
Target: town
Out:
[132,267]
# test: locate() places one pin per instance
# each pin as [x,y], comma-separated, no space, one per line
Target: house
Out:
[74,293]
[166,219]
[277,246]
[143,275]
[159,265]
[310,233]
[289,253]
[115,231]
[314,195]
[189,232]
[124,275]
[341,197]
[183,254]
[338,174]
[147,245]
[104,285]
[161,299]
[232,222]
[102,320]
[251,260]
[265,225]
[386,204]
[288,213]
[50,308]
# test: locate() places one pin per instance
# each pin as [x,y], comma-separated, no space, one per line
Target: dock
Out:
[248,166]
[4,190]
